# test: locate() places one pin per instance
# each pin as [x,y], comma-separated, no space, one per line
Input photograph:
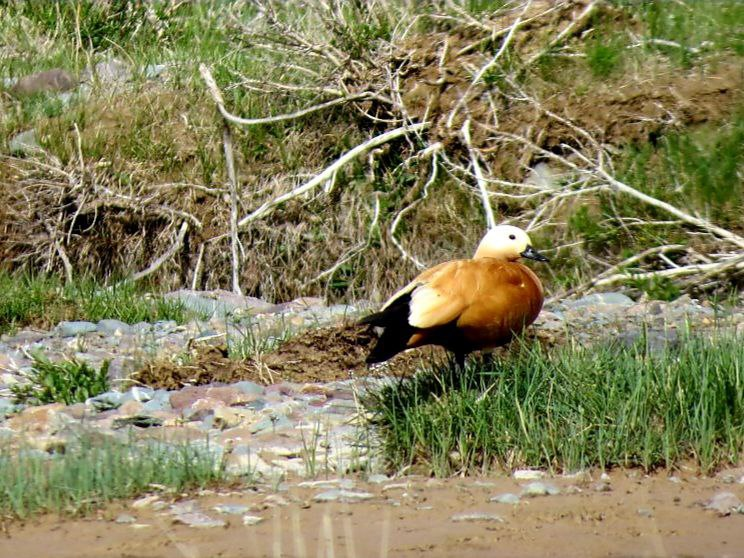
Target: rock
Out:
[342,495]
[141,394]
[328,483]
[528,474]
[249,388]
[160,401]
[228,395]
[252,520]
[141,421]
[229,417]
[37,420]
[154,71]
[198,519]
[231,509]
[218,303]
[476,517]
[108,72]
[602,486]
[377,479]
[7,407]
[25,143]
[271,424]
[113,327]
[539,489]
[130,407]
[145,501]
[506,498]
[47,81]
[73,329]
[106,401]
[243,462]
[725,503]
[612,298]
[125,518]
[645,512]
[120,368]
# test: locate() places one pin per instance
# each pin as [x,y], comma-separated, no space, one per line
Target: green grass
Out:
[571,408]
[67,382]
[89,475]
[44,300]
[699,168]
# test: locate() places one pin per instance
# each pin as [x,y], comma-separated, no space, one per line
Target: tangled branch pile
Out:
[456,128]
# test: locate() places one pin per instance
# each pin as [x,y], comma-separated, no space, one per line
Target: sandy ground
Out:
[640,516]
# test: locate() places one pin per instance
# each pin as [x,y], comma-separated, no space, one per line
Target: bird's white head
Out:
[509,243]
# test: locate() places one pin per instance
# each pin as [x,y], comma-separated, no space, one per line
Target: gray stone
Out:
[724,503]
[645,512]
[250,388]
[72,329]
[47,81]
[141,394]
[342,495]
[113,327]
[160,401]
[198,519]
[377,479]
[120,368]
[271,424]
[527,474]
[231,509]
[108,72]
[506,498]
[25,143]
[476,517]
[106,401]
[540,489]
[611,298]
[154,71]
[219,303]
[7,407]
[125,518]
[252,520]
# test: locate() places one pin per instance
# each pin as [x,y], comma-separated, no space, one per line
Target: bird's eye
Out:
[512,237]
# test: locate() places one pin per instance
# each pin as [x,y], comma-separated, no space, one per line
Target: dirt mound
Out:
[317,355]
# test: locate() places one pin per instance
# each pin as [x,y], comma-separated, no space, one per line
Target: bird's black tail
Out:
[396,329]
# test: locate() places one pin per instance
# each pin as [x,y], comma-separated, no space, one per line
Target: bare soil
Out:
[640,516]
[316,355]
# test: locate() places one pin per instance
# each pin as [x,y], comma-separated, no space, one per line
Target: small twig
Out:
[233,183]
[319,179]
[168,254]
[196,279]
[490,219]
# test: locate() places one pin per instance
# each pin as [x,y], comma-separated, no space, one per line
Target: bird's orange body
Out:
[462,305]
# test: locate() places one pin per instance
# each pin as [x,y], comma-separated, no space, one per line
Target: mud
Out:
[655,515]
[317,355]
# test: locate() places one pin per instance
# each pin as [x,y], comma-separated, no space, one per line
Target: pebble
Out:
[725,503]
[539,489]
[252,520]
[231,509]
[262,431]
[198,519]
[528,474]
[507,498]
[125,518]
[476,517]
[341,495]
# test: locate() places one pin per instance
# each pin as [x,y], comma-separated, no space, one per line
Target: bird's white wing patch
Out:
[431,307]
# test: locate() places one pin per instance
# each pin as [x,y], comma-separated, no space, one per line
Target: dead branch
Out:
[167,255]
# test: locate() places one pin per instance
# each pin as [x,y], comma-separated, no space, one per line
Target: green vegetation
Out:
[251,341]
[571,408]
[67,382]
[89,475]
[45,300]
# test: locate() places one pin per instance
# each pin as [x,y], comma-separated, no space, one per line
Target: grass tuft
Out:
[90,475]
[571,408]
[44,300]
[67,382]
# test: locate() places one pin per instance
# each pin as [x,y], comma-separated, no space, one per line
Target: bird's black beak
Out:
[532,254]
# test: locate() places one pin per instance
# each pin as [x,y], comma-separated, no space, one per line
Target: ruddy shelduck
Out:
[464,305]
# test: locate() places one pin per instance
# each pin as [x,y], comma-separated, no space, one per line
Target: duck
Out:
[464,305]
